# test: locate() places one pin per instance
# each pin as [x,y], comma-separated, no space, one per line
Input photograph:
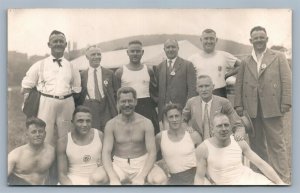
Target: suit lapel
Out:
[267,60]
[252,66]
[177,64]
[104,78]
[198,111]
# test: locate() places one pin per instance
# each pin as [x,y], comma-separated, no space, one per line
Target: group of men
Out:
[103,126]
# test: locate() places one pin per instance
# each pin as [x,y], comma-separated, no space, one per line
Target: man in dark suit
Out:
[99,87]
[200,110]
[176,78]
[263,89]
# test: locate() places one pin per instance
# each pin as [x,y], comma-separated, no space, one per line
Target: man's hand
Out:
[240,134]
[285,108]
[138,180]
[239,111]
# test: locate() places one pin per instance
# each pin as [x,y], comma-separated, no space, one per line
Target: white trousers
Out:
[58,115]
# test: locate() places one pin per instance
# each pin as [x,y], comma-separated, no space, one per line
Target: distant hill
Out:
[19,63]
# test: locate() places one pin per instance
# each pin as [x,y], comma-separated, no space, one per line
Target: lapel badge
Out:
[263,66]
[172,73]
[105,82]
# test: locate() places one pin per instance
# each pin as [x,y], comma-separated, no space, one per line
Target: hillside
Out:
[232,47]
[18,63]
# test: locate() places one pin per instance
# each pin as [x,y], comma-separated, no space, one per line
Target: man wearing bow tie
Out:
[263,89]
[57,79]
[176,78]
[99,89]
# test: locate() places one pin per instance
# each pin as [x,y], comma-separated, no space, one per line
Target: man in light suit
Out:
[263,89]
[176,78]
[195,110]
[98,94]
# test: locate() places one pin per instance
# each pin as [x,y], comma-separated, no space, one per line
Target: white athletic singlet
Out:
[179,156]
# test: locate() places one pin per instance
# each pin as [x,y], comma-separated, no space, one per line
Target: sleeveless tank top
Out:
[83,160]
[180,155]
[139,80]
[224,165]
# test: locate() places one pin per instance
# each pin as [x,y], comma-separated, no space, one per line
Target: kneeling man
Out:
[178,147]
[130,137]
[219,158]
[79,152]
[29,164]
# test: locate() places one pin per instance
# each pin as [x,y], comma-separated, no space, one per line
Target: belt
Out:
[57,97]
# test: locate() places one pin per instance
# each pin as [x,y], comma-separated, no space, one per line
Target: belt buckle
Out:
[60,97]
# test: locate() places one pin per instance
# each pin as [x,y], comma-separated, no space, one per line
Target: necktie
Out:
[58,61]
[206,129]
[170,66]
[97,91]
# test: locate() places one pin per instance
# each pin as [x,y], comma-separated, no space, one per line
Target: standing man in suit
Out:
[263,89]
[57,80]
[99,88]
[176,78]
[219,65]
[200,110]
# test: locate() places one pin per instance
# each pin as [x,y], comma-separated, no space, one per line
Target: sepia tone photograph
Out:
[152,97]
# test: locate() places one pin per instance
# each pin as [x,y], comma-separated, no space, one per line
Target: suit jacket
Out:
[272,86]
[192,112]
[109,89]
[177,88]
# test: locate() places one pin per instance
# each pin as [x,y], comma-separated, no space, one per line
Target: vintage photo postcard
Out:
[167,97]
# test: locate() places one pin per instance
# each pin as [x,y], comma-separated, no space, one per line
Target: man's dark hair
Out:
[35,121]
[209,31]
[125,90]
[171,106]
[55,32]
[81,108]
[257,28]
[135,42]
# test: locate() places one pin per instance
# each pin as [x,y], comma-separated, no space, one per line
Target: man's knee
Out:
[157,177]
[98,178]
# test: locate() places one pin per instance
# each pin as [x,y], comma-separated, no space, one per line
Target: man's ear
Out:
[250,40]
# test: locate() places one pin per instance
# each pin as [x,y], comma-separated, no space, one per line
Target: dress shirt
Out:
[208,108]
[258,60]
[90,82]
[173,61]
[57,80]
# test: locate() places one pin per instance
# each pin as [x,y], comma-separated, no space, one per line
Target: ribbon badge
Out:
[105,83]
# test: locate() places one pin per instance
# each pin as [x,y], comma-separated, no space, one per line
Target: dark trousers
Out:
[220,92]
[146,107]
[100,112]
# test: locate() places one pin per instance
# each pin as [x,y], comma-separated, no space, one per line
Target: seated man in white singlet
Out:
[79,152]
[219,158]
[178,147]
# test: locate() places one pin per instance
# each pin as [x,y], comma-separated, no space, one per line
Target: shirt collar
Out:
[254,55]
[98,69]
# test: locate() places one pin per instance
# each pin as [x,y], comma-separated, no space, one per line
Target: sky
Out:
[29,29]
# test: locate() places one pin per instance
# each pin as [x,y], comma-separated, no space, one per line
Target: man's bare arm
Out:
[108,143]
[62,161]
[267,170]
[235,70]
[201,155]
[151,149]
[11,161]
